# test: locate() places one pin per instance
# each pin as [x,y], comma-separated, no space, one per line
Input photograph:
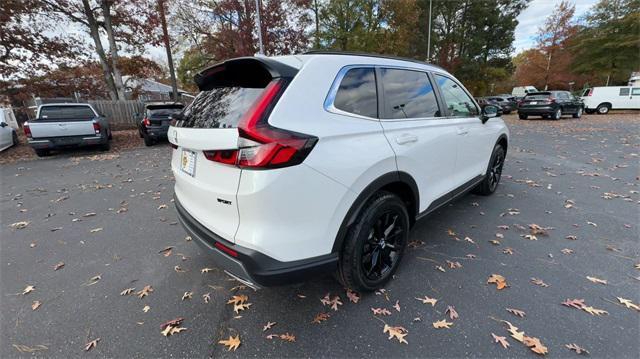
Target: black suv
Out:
[550,104]
[154,122]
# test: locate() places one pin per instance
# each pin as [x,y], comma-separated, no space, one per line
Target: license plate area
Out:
[188,162]
[533,103]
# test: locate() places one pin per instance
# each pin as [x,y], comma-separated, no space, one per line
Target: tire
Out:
[148,141]
[493,174]
[14,139]
[603,109]
[42,153]
[578,114]
[522,116]
[557,115]
[384,215]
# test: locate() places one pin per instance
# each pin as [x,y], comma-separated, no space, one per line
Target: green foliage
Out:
[608,45]
[192,61]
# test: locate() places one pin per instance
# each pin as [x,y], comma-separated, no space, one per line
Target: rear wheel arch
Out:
[398,183]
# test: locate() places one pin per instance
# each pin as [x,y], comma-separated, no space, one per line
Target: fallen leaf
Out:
[539,282]
[93,280]
[452,312]
[162,206]
[127,291]
[592,224]
[35,305]
[321,317]
[353,296]
[95,230]
[517,312]
[500,340]
[495,242]
[577,349]
[145,291]
[205,270]
[572,238]
[427,300]
[567,251]
[92,344]
[575,303]
[146,308]
[440,269]
[89,214]
[594,311]
[59,265]
[239,303]
[530,237]
[597,280]
[166,251]
[440,324]
[28,289]
[454,265]
[179,269]
[397,305]
[333,303]
[535,345]
[498,280]
[20,225]
[288,337]
[27,349]
[628,303]
[396,332]
[268,326]
[206,297]
[508,251]
[380,311]
[187,295]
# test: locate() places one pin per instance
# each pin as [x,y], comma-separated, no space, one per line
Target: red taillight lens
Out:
[146,122]
[26,129]
[226,249]
[262,146]
[96,127]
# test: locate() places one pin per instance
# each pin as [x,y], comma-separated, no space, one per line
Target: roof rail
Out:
[355,53]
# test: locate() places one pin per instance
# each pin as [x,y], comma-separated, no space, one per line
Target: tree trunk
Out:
[95,35]
[113,49]
[317,35]
[165,37]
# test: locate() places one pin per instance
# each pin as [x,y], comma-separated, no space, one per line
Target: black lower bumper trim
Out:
[253,266]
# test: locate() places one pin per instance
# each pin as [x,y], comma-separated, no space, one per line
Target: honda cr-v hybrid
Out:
[292,166]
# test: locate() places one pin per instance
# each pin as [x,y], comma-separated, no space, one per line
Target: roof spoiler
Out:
[253,72]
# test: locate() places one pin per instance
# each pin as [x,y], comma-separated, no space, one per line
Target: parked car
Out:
[154,121]
[507,103]
[8,136]
[291,166]
[67,125]
[550,104]
[604,99]
[521,91]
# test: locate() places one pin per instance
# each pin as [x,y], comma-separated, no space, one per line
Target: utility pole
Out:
[429,35]
[259,27]
[165,37]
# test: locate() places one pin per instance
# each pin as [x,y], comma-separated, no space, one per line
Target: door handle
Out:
[404,139]
[462,131]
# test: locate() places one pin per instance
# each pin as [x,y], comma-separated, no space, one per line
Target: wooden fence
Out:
[119,113]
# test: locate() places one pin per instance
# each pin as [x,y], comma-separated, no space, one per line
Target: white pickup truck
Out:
[67,125]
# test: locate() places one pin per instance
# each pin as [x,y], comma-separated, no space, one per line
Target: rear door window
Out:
[220,107]
[458,102]
[624,91]
[52,113]
[408,94]
[357,93]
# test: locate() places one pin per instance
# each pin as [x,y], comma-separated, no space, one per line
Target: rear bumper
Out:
[251,267]
[547,110]
[62,142]
[156,132]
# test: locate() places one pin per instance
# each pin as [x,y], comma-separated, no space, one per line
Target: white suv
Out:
[292,166]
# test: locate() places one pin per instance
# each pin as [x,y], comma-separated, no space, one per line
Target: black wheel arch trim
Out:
[366,193]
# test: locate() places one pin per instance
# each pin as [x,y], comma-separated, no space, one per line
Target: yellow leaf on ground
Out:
[500,340]
[498,280]
[442,324]
[628,303]
[427,300]
[28,289]
[597,280]
[396,332]
[231,343]
[92,344]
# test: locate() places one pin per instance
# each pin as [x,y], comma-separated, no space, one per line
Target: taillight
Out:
[26,129]
[96,127]
[262,146]
[146,122]
[226,249]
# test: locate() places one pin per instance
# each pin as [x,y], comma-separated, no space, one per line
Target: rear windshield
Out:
[538,96]
[163,111]
[66,113]
[220,107]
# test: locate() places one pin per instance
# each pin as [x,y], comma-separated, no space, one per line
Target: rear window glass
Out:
[537,96]
[66,113]
[357,93]
[163,111]
[220,107]
[408,94]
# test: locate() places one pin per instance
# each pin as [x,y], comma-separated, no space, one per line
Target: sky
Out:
[534,16]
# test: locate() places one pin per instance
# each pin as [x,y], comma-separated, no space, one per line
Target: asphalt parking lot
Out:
[99,223]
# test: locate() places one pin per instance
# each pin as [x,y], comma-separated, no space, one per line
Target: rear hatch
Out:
[538,99]
[215,137]
[63,121]
[159,115]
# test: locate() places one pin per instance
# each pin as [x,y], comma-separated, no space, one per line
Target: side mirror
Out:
[3,124]
[488,112]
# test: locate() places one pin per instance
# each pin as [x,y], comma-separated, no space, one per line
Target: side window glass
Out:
[357,93]
[635,91]
[624,91]
[458,102]
[408,94]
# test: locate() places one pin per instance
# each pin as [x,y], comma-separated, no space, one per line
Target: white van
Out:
[522,91]
[604,99]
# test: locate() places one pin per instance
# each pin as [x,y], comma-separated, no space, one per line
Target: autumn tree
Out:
[607,46]
[552,39]
[129,24]
[27,45]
